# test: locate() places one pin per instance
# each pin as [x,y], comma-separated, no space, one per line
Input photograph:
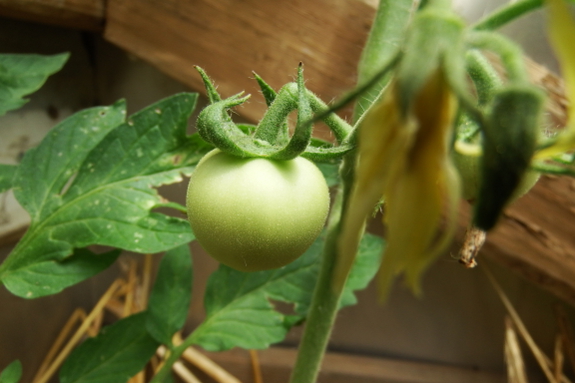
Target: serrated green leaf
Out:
[238,308]
[52,276]
[22,74]
[12,373]
[6,175]
[170,298]
[92,179]
[116,354]
[45,171]
[364,268]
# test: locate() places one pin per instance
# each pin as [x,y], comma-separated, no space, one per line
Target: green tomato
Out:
[469,168]
[253,213]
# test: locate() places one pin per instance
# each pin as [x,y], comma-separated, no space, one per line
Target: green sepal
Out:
[273,127]
[211,91]
[270,139]
[267,91]
[216,127]
[509,141]
[302,134]
[329,154]
[434,35]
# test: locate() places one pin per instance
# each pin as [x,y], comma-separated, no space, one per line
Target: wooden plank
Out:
[277,363]
[535,237]
[77,14]
[230,39]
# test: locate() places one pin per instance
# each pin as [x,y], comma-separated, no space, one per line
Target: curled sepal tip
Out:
[211,91]
[216,127]
[267,91]
[270,138]
[302,134]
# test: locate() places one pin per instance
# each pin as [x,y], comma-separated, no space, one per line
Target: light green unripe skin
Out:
[469,168]
[256,214]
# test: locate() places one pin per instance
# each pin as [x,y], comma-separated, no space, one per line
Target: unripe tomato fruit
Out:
[253,213]
[469,168]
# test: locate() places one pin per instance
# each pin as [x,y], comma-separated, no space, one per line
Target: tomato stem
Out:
[507,13]
[323,310]
[379,58]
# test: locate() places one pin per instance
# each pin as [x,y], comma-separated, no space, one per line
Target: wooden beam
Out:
[277,363]
[536,237]
[231,39]
[77,14]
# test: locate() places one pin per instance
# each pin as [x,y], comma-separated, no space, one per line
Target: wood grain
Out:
[277,363]
[77,14]
[535,237]
[230,39]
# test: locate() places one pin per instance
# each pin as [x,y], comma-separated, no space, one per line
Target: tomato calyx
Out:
[270,138]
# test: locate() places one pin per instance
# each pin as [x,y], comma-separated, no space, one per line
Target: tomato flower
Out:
[561,30]
[404,157]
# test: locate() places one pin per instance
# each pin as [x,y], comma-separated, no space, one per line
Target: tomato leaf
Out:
[364,268]
[6,175]
[91,181]
[12,373]
[239,312]
[22,74]
[51,276]
[116,354]
[170,298]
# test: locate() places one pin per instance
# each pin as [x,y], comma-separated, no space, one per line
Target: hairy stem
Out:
[325,302]
[506,13]
[484,76]
[385,38]
[510,54]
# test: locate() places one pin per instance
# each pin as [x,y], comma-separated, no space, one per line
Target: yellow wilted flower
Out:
[561,30]
[404,157]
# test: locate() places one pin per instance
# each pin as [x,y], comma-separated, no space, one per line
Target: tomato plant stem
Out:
[175,354]
[321,315]
[325,301]
[507,13]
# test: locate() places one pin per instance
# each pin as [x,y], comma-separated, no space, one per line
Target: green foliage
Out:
[239,311]
[12,373]
[116,354]
[171,295]
[51,276]
[22,74]
[6,175]
[91,180]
